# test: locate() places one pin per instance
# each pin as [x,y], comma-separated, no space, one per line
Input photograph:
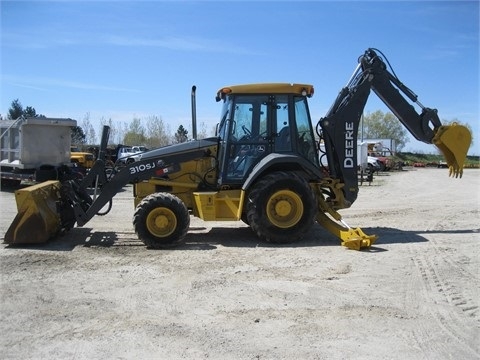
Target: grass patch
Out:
[409,158]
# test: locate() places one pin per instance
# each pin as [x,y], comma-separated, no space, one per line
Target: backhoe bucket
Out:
[37,219]
[453,141]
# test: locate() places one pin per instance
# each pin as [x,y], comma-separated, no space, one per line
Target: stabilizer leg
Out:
[331,220]
[354,239]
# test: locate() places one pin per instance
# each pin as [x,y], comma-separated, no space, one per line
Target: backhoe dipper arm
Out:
[339,128]
[386,85]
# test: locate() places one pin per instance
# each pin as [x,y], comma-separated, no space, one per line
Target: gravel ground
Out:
[98,293]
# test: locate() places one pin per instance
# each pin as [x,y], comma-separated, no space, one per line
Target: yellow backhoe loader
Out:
[263,167]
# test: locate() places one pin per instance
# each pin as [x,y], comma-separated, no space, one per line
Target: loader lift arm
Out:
[137,171]
[339,128]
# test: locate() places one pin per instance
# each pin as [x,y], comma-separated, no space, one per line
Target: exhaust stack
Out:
[194,113]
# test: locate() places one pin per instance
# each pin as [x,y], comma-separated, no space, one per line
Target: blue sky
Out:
[124,59]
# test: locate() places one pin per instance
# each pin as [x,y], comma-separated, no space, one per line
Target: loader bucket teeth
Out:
[37,219]
[453,141]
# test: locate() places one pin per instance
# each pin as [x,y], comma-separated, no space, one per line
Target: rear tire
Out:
[281,207]
[161,220]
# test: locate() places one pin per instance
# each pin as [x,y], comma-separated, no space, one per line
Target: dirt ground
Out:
[98,293]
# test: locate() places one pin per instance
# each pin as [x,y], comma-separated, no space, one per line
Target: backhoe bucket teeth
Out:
[453,141]
[37,219]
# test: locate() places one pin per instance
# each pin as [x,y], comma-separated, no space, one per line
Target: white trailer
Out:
[34,148]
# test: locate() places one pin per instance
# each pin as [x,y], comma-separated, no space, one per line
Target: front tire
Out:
[161,220]
[281,207]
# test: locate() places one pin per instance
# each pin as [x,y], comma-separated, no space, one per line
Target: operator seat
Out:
[283,142]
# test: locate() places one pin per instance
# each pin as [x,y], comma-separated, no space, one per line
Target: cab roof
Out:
[266,88]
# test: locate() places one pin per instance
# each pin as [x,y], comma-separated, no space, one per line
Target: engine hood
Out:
[179,148]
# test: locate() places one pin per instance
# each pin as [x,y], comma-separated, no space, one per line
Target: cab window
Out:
[305,140]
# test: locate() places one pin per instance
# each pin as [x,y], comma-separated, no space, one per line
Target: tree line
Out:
[152,131]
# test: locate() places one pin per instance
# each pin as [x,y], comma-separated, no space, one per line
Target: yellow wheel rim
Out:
[284,209]
[161,222]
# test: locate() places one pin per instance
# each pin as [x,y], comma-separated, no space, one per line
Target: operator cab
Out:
[261,119]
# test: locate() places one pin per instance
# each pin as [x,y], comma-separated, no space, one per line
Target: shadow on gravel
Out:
[201,238]
[318,237]
[395,236]
[75,237]
[388,235]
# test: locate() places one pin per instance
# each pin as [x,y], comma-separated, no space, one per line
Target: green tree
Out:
[156,133]
[16,110]
[78,136]
[181,135]
[135,134]
[30,112]
[379,125]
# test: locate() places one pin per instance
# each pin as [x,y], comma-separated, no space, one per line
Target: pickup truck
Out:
[126,155]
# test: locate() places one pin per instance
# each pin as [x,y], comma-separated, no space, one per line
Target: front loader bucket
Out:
[453,141]
[37,219]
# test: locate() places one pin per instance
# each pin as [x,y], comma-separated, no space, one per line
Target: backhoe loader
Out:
[263,167]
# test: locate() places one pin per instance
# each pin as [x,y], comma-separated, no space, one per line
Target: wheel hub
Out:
[284,209]
[161,222]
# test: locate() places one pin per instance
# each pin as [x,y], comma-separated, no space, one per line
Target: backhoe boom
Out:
[339,128]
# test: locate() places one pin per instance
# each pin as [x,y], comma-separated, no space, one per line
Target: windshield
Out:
[225,116]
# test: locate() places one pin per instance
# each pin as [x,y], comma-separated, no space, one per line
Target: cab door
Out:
[249,137]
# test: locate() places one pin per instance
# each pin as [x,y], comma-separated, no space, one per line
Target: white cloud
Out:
[184,43]
[44,83]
